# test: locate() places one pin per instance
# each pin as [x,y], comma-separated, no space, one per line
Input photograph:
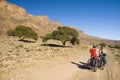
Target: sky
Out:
[95,17]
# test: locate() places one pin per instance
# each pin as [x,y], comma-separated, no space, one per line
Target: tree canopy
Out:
[63,34]
[23,32]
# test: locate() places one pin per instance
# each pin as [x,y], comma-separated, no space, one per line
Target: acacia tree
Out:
[23,32]
[63,34]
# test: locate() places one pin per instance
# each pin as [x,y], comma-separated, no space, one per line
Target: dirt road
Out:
[84,73]
[72,68]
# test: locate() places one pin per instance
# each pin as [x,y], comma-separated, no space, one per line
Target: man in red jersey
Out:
[93,52]
[93,55]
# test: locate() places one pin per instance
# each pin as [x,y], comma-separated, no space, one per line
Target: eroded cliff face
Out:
[12,15]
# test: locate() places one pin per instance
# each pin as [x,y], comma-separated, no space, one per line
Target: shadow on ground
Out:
[81,65]
[27,41]
[54,45]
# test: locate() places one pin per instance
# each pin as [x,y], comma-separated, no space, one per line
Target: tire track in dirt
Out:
[109,71]
[72,68]
[90,75]
[112,67]
[87,74]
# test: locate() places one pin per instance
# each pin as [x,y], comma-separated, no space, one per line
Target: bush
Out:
[115,46]
[103,44]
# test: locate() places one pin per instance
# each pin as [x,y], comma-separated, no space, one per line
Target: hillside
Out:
[12,15]
[37,61]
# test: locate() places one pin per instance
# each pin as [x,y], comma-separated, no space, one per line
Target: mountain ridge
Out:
[12,15]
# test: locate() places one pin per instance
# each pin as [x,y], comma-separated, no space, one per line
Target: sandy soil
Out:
[68,64]
[67,68]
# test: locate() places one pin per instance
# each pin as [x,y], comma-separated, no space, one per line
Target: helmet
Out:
[94,46]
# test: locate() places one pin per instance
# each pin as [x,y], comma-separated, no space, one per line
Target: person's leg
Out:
[100,61]
[104,60]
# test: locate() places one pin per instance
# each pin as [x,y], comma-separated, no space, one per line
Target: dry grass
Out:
[14,53]
[116,53]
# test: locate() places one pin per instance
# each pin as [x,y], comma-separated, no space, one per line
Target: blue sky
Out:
[95,17]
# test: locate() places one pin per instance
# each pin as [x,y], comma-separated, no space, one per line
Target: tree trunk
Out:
[63,43]
[22,38]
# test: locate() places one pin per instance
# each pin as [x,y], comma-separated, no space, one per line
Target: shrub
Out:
[115,46]
[103,44]
[19,46]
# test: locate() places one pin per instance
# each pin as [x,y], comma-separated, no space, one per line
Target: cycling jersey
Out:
[93,52]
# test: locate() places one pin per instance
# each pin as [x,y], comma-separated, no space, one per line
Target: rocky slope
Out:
[34,61]
[12,15]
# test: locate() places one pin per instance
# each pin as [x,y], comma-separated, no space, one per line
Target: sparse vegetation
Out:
[63,34]
[19,46]
[84,47]
[115,46]
[27,50]
[117,57]
[11,43]
[39,49]
[10,51]
[23,32]
[0,53]
[103,44]
[56,50]
[117,54]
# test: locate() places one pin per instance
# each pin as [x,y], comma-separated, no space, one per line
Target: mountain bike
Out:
[93,63]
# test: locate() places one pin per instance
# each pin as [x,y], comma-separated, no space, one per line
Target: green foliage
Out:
[69,31]
[115,46]
[103,44]
[63,34]
[73,40]
[11,32]
[45,38]
[23,32]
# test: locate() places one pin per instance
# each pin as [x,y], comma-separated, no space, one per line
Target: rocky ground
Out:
[37,61]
